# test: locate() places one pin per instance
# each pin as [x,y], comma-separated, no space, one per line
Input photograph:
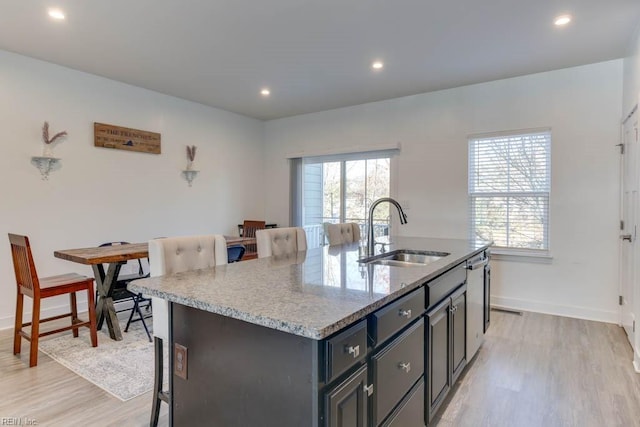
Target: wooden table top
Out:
[104,254]
[118,253]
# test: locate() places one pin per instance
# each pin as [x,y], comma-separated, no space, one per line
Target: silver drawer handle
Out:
[453,309]
[368,389]
[478,264]
[404,313]
[405,366]
[354,350]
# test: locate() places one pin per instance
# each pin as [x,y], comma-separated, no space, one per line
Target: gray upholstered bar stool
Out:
[169,256]
[281,242]
[346,232]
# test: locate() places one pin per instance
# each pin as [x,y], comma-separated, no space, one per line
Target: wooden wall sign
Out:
[121,138]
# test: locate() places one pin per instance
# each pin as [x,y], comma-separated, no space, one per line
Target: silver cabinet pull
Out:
[477,265]
[404,313]
[368,389]
[405,366]
[354,351]
[453,309]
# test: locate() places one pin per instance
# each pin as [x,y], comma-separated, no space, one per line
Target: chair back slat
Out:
[23,265]
[249,227]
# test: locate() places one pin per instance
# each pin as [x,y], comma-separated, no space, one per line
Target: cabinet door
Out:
[458,332]
[438,356]
[346,403]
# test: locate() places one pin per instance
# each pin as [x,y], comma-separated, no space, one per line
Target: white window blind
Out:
[509,186]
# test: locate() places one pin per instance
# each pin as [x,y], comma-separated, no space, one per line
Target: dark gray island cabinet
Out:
[324,341]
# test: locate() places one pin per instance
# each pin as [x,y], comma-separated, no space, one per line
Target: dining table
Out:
[115,257]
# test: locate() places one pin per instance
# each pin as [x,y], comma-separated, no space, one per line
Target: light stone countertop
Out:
[313,294]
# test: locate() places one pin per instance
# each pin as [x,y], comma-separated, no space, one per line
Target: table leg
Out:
[104,307]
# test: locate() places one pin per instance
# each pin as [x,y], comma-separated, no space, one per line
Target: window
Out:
[340,188]
[509,185]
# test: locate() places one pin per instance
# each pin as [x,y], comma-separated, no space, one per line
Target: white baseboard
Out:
[8,322]
[555,309]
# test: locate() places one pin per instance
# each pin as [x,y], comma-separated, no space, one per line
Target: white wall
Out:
[581,105]
[103,195]
[631,85]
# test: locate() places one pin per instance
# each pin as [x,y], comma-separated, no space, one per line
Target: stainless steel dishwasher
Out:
[477,302]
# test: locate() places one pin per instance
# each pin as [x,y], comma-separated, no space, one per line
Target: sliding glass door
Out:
[341,190]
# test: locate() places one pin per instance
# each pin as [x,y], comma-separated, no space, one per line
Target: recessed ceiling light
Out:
[562,20]
[265,92]
[56,14]
[377,65]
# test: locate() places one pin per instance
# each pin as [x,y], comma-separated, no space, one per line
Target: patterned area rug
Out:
[122,368]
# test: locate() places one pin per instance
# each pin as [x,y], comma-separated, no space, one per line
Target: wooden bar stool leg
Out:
[157,381]
[35,332]
[17,339]
[74,313]
[93,323]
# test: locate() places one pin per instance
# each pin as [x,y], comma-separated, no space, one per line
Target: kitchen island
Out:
[317,338]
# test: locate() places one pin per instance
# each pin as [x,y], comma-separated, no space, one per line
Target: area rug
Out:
[122,368]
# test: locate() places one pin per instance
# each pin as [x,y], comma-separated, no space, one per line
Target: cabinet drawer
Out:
[395,316]
[410,413]
[442,286]
[396,368]
[345,349]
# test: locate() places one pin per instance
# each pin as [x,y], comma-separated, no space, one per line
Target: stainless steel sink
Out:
[405,258]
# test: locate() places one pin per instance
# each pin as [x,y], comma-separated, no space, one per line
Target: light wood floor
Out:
[52,395]
[541,370]
[533,370]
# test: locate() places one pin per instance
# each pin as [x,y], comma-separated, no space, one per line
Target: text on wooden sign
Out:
[121,138]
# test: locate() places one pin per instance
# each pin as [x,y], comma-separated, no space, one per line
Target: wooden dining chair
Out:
[249,229]
[30,285]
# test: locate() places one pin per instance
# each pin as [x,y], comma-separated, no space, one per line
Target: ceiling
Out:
[315,55]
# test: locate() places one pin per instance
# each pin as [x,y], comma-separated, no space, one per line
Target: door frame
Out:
[634,291]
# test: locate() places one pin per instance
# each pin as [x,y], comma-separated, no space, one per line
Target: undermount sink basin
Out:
[405,258]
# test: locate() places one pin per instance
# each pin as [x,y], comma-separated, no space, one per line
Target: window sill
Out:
[514,255]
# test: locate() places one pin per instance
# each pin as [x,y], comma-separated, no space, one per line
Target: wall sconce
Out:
[189,173]
[44,165]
